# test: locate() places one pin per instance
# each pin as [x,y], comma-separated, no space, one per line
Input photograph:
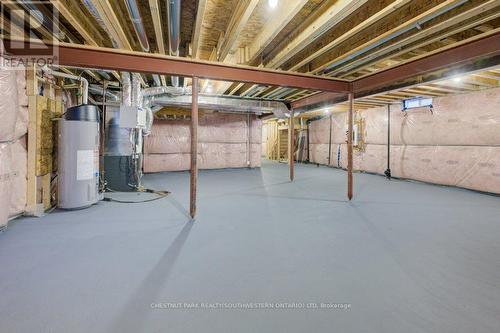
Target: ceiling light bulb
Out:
[457,79]
[273,3]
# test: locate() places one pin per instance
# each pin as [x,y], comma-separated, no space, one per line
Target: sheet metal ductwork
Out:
[135,17]
[93,11]
[110,96]
[174,28]
[226,104]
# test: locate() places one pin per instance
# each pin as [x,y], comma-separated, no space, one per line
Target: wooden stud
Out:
[194,148]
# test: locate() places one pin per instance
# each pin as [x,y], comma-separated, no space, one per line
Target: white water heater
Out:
[78,160]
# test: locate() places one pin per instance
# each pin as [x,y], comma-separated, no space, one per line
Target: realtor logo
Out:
[30,34]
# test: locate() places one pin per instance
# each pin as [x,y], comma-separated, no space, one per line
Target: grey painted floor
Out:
[407,257]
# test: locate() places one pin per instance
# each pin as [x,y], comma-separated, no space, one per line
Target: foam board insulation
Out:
[456,143]
[222,143]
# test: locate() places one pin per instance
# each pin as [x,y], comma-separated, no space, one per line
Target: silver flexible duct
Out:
[136,90]
[110,96]
[126,89]
[135,17]
[174,28]
[95,13]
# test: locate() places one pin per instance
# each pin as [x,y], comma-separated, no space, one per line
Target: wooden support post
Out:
[194,148]
[349,146]
[291,145]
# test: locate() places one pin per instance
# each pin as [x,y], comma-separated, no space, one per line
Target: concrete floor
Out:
[407,257]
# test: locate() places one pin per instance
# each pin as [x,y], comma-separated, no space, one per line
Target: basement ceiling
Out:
[346,39]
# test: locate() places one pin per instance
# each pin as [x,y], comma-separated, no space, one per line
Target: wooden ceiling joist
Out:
[357,29]
[200,14]
[423,36]
[112,23]
[238,21]
[335,14]
[372,42]
[71,15]
[275,24]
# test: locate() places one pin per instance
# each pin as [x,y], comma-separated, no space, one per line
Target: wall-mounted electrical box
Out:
[132,117]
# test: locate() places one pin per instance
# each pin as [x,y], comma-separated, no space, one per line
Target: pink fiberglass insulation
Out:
[8,104]
[18,180]
[223,142]
[5,170]
[210,156]
[468,119]
[456,144]
[22,116]
[21,88]
[21,122]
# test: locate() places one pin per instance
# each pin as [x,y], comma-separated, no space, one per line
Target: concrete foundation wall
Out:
[456,143]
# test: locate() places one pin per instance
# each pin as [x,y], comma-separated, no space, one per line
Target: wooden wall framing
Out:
[42,142]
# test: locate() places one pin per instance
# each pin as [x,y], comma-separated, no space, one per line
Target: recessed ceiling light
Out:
[273,3]
[457,79]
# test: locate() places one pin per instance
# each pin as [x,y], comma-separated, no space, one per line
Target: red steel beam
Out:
[130,61]
[318,99]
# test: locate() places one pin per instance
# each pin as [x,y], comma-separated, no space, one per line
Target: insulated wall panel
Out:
[18,178]
[456,143]
[5,185]
[223,143]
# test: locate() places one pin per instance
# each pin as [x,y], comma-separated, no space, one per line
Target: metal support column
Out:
[349,146]
[291,145]
[194,148]
[388,171]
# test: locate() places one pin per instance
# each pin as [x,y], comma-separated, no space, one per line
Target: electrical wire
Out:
[160,195]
